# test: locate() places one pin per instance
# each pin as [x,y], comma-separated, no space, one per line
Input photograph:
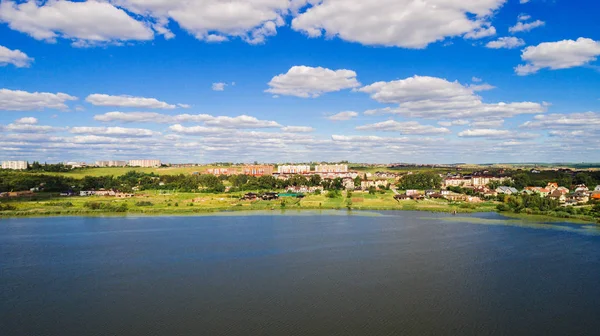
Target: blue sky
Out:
[430,81]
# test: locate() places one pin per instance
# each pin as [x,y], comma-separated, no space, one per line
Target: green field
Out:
[190,203]
[118,171]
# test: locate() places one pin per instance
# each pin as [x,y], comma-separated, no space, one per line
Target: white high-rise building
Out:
[16,165]
[144,163]
[338,168]
[111,163]
[300,169]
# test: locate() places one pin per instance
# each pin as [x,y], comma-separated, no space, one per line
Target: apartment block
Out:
[299,169]
[111,163]
[16,165]
[338,168]
[144,163]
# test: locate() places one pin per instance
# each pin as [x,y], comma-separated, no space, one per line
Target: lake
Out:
[298,273]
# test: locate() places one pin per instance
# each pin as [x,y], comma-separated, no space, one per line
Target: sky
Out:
[381,81]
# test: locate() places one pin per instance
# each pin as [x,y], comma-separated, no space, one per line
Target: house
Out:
[27,193]
[578,197]
[436,196]
[123,195]
[558,195]
[563,190]
[103,192]
[430,192]
[67,193]
[402,197]
[258,170]
[506,190]
[456,197]
[596,196]
[597,188]
[364,185]
[581,187]
[412,192]
[552,186]
[348,184]
[269,196]
[87,193]
[249,197]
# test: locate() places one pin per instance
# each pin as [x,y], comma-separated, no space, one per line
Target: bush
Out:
[106,206]
[503,207]
[60,204]
[334,194]
[7,207]
[318,192]
[144,203]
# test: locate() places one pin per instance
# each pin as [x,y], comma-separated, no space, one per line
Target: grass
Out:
[118,171]
[190,203]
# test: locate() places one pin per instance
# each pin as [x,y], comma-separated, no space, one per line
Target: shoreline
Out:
[237,211]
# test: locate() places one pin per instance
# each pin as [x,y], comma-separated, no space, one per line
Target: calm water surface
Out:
[401,273]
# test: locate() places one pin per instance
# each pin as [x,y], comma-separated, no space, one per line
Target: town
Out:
[507,189]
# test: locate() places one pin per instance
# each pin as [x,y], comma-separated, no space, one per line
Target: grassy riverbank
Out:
[189,203]
[156,204]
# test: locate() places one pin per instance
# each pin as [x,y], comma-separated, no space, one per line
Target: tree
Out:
[420,181]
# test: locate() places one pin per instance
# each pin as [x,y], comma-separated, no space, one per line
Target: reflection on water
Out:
[298,273]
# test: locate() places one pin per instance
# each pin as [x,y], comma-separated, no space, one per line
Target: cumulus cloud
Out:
[127,101]
[29,128]
[487,123]
[506,43]
[399,23]
[481,32]
[216,20]
[198,130]
[558,55]
[495,133]
[219,86]
[305,81]
[587,120]
[14,57]
[346,115]
[453,123]
[114,131]
[298,129]
[86,23]
[26,121]
[242,121]
[407,127]
[16,100]
[151,117]
[437,98]
[525,26]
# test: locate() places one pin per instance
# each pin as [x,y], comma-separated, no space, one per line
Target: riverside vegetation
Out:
[197,193]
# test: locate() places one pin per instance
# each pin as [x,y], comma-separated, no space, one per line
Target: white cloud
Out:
[458,122]
[495,133]
[400,23]
[523,1]
[199,130]
[407,127]
[476,79]
[305,81]
[151,117]
[242,121]
[114,131]
[219,86]
[481,32]
[506,42]
[14,57]
[587,120]
[525,27]
[16,100]
[86,23]
[367,139]
[487,123]
[558,55]
[298,129]
[30,128]
[435,98]
[26,121]
[216,20]
[523,17]
[346,115]
[127,101]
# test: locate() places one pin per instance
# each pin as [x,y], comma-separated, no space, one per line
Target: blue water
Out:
[399,273]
